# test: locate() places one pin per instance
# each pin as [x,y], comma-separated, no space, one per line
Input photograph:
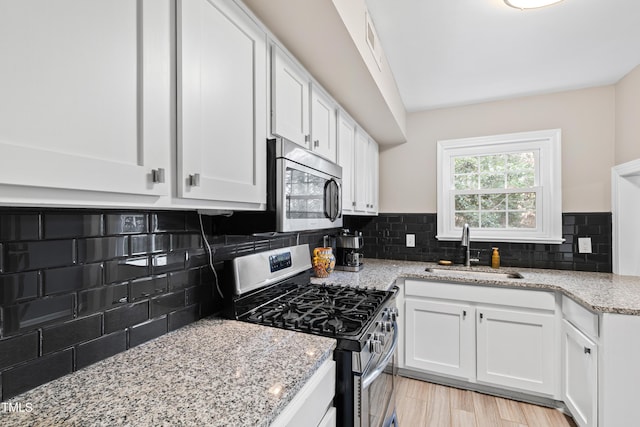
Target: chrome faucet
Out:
[465,241]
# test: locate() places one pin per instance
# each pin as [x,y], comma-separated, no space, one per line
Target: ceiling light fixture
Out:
[530,4]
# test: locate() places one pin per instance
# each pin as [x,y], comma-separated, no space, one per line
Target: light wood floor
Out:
[423,404]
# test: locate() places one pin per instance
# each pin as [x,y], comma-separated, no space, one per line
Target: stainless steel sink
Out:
[473,274]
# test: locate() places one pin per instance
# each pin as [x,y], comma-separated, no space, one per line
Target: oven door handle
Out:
[371,376]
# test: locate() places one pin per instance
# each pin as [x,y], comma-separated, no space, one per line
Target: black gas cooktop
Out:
[327,310]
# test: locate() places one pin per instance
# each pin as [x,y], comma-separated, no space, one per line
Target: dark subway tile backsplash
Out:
[147,331]
[126,269]
[102,248]
[100,348]
[148,287]
[73,332]
[384,237]
[18,287]
[25,226]
[125,316]
[67,279]
[35,372]
[23,256]
[167,303]
[36,313]
[78,285]
[103,298]
[19,349]
[60,225]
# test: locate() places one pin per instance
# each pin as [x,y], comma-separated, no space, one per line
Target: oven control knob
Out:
[375,346]
[386,327]
[381,338]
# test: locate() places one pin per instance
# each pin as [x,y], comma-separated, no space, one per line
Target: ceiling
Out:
[454,52]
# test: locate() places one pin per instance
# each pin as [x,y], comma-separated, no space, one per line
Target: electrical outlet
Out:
[584,245]
[411,240]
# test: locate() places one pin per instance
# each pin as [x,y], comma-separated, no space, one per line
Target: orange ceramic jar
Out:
[323,261]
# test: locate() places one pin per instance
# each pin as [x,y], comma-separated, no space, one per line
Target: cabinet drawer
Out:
[583,319]
[536,300]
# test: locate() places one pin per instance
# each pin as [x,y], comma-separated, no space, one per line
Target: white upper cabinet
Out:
[289,99]
[85,111]
[346,151]
[323,124]
[372,177]
[361,171]
[222,103]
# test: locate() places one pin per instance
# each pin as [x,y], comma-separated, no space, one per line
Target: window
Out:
[506,187]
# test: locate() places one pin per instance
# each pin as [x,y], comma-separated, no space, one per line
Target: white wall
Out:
[628,118]
[586,117]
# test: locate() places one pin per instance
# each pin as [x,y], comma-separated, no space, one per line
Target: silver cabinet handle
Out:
[157,175]
[587,350]
[307,138]
[464,313]
[194,180]
[316,143]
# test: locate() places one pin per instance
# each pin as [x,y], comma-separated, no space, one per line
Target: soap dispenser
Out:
[495,258]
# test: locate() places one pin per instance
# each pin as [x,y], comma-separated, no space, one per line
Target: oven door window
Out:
[309,196]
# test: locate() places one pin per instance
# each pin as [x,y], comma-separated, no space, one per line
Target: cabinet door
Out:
[222,103]
[289,99]
[439,337]
[372,177]
[517,349]
[580,378]
[361,171]
[85,100]
[323,124]
[346,146]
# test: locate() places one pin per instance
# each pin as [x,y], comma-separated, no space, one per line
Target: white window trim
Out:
[549,207]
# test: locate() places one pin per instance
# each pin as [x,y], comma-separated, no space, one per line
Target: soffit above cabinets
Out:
[329,39]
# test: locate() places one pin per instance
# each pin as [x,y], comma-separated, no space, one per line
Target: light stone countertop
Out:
[599,292]
[213,372]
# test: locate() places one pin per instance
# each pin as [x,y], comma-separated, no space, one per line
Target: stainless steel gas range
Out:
[273,288]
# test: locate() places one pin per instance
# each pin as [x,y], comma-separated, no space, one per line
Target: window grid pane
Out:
[495,191]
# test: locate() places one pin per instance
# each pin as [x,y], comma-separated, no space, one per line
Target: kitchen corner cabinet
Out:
[289,99]
[492,336]
[222,103]
[323,124]
[85,110]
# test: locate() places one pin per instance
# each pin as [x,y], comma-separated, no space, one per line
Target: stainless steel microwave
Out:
[305,190]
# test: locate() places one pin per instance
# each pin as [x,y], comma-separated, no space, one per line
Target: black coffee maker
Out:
[348,247]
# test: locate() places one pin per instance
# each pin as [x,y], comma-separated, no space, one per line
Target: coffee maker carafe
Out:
[348,255]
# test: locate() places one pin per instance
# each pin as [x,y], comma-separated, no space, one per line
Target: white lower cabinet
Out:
[313,405]
[505,338]
[516,349]
[440,337]
[580,379]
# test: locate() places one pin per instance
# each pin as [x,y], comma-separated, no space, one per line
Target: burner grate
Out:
[337,311]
